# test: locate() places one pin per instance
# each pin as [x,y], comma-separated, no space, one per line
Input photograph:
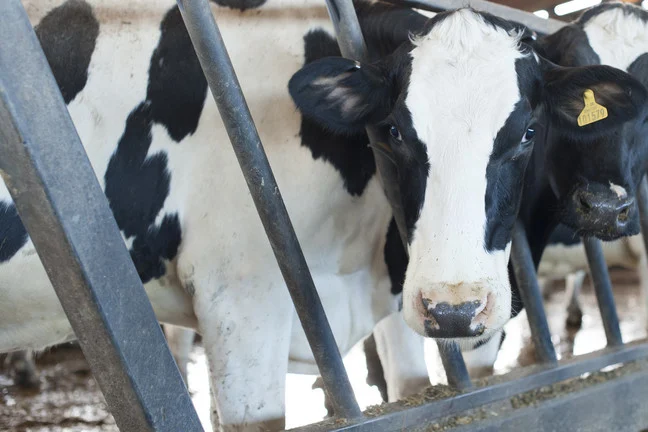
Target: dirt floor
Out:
[68,399]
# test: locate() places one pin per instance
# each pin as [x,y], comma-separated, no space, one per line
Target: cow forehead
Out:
[463,83]
[618,35]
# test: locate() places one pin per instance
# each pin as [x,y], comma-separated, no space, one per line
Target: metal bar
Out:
[247,145]
[65,212]
[603,289]
[642,203]
[454,365]
[519,381]
[587,409]
[352,45]
[533,22]
[527,282]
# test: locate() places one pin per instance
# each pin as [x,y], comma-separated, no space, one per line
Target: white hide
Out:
[617,37]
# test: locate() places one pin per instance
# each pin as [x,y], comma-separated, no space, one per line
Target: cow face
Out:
[457,109]
[595,174]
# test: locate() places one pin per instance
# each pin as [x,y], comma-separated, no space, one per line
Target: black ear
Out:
[565,91]
[340,94]
[568,46]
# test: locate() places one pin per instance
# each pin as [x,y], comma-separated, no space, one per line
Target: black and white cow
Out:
[613,34]
[586,181]
[457,106]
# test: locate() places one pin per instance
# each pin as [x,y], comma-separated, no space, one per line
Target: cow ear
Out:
[340,94]
[591,100]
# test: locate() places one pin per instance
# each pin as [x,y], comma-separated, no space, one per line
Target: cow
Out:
[456,101]
[587,182]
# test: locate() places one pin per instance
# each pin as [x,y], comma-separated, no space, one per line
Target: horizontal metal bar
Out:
[527,282]
[517,382]
[603,289]
[67,216]
[261,182]
[533,22]
[614,405]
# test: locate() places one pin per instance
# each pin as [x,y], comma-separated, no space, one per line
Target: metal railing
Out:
[67,216]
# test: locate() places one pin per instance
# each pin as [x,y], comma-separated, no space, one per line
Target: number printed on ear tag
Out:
[592,112]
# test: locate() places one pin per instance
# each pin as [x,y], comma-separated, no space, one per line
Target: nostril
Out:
[426,305]
[623,214]
[480,306]
[584,202]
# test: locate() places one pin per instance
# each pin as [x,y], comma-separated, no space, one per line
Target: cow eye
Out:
[395,133]
[529,135]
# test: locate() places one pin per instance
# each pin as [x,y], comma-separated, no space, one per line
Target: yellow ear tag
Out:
[592,112]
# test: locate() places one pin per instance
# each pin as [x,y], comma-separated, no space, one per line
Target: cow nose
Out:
[611,212]
[447,320]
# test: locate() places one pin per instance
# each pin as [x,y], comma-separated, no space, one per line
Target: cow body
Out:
[158,147]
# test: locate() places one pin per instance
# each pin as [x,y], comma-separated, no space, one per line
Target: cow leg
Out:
[180,342]
[574,282]
[246,330]
[328,404]
[402,354]
[22,368]
[481,359]
[375,371]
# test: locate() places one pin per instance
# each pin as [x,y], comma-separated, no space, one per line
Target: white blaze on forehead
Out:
[618,190]
[463,86]
[617,37]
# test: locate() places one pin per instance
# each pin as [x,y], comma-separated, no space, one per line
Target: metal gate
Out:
[67,216]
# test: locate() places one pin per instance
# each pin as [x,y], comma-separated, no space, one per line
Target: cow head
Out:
[456,108]
[594,173]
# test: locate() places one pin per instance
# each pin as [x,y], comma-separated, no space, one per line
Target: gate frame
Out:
[104,299]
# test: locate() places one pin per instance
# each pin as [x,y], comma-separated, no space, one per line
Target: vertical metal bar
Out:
[527,282]
[234,111]
[65,212]
[347,29]
[352,45]
[603,289]
[642,203]
[454,365]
